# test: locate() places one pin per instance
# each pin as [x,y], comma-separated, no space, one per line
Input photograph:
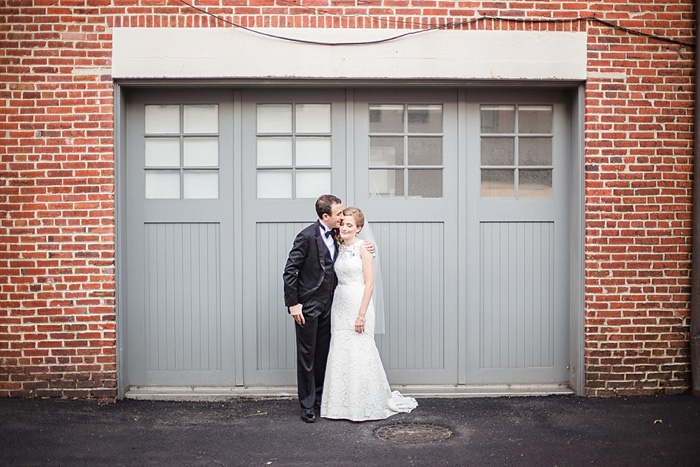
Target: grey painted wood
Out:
[274,330]
[418,241]
[413,267]
[518,254]
[183,297]
[517,294]
[180,315]
[268,230]
[476,290]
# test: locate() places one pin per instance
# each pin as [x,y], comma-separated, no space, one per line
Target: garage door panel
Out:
[275,335]
[518,227]
[293,150]
[516,309]
[413,271]
[179,239]
[405,179]
[182,296]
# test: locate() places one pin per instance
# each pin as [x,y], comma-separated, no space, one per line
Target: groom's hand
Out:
[369,246]
[296,313]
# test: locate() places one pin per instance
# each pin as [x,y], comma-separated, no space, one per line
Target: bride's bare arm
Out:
[368,273]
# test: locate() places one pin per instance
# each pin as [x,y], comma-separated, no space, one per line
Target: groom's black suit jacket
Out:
[308,276]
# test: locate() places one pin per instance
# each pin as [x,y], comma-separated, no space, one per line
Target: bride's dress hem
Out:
[397,403]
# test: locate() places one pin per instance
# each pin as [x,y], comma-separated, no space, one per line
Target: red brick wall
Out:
[57,273]
[57,237]
[639,130]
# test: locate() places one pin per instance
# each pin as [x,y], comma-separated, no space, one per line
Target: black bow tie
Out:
[329,233]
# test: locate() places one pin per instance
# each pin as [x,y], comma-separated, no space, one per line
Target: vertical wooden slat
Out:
[265,351]
[529,247]
[187,299]
[151,299]
[178,306]
[412,294]
[197,332]
[214,262]
[203,350]
[547,354]
[163,246]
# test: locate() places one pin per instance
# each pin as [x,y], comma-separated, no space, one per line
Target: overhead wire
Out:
[426,28]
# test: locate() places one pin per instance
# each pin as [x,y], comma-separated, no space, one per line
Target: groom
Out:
[309,283]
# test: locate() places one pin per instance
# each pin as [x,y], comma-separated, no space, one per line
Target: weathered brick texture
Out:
[57,215]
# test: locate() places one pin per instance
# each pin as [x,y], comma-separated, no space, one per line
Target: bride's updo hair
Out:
[356,214]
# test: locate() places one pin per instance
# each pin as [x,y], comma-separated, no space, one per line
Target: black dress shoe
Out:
[308,415]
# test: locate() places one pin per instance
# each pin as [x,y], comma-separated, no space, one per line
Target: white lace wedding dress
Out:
[356,387]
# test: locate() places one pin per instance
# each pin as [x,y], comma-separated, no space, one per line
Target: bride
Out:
[355,387]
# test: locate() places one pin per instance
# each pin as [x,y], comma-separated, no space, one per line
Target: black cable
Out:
[643,34]
[445,26]
[302,41]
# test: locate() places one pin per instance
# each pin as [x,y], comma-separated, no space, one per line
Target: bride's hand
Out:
[360,325]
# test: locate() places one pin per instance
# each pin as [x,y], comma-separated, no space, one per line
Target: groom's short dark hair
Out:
[324,203]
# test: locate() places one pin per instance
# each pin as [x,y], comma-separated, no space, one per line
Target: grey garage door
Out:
[517,237]
[466,192]
[179,239]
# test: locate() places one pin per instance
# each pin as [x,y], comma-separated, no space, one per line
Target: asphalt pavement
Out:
[547,430]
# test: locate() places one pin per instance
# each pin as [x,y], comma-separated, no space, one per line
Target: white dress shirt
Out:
[330,241]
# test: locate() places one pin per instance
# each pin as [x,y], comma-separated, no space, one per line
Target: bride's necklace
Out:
[351,251]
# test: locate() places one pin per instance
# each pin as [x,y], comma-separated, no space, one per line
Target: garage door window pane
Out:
[425,183]
[313,183]
[534,119]
[313,151]
[386,118]
[162,184]
[497,119]
[535,151]
[498,151]
[313,118]
[385,151]
[497,183]
[535,184]
[425,119]
[275,184]
[162,119]
[201,184]
[274,151]
[201,152]
[201,118]
[386,183]
[424,151]
[274,118]
[162,152]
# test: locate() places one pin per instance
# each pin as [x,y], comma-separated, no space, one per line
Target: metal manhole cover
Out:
[412,433]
